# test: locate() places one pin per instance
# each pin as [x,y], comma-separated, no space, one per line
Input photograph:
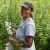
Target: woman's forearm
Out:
[28,42]
[26,45]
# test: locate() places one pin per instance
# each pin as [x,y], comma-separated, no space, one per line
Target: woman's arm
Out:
[30,32]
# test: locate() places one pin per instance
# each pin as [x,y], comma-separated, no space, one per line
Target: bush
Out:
[10,11]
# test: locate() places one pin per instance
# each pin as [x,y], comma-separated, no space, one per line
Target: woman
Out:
[26,30]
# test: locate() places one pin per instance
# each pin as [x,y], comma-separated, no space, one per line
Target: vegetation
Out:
[10,11]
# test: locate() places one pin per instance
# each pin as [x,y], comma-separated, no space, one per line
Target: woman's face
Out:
[25,12]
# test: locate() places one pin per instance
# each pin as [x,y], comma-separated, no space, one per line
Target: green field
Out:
[10,11]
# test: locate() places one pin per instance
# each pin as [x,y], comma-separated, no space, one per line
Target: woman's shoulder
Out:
[30,21]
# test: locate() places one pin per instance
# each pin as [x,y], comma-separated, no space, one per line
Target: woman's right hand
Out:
[17,42]
[13,30]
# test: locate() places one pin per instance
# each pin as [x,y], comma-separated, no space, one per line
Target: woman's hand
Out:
[16,41]
[13,41]
[13,30]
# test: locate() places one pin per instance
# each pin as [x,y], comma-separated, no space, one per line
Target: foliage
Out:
[10,11]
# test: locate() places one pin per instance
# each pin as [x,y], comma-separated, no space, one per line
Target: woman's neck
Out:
[26,17]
